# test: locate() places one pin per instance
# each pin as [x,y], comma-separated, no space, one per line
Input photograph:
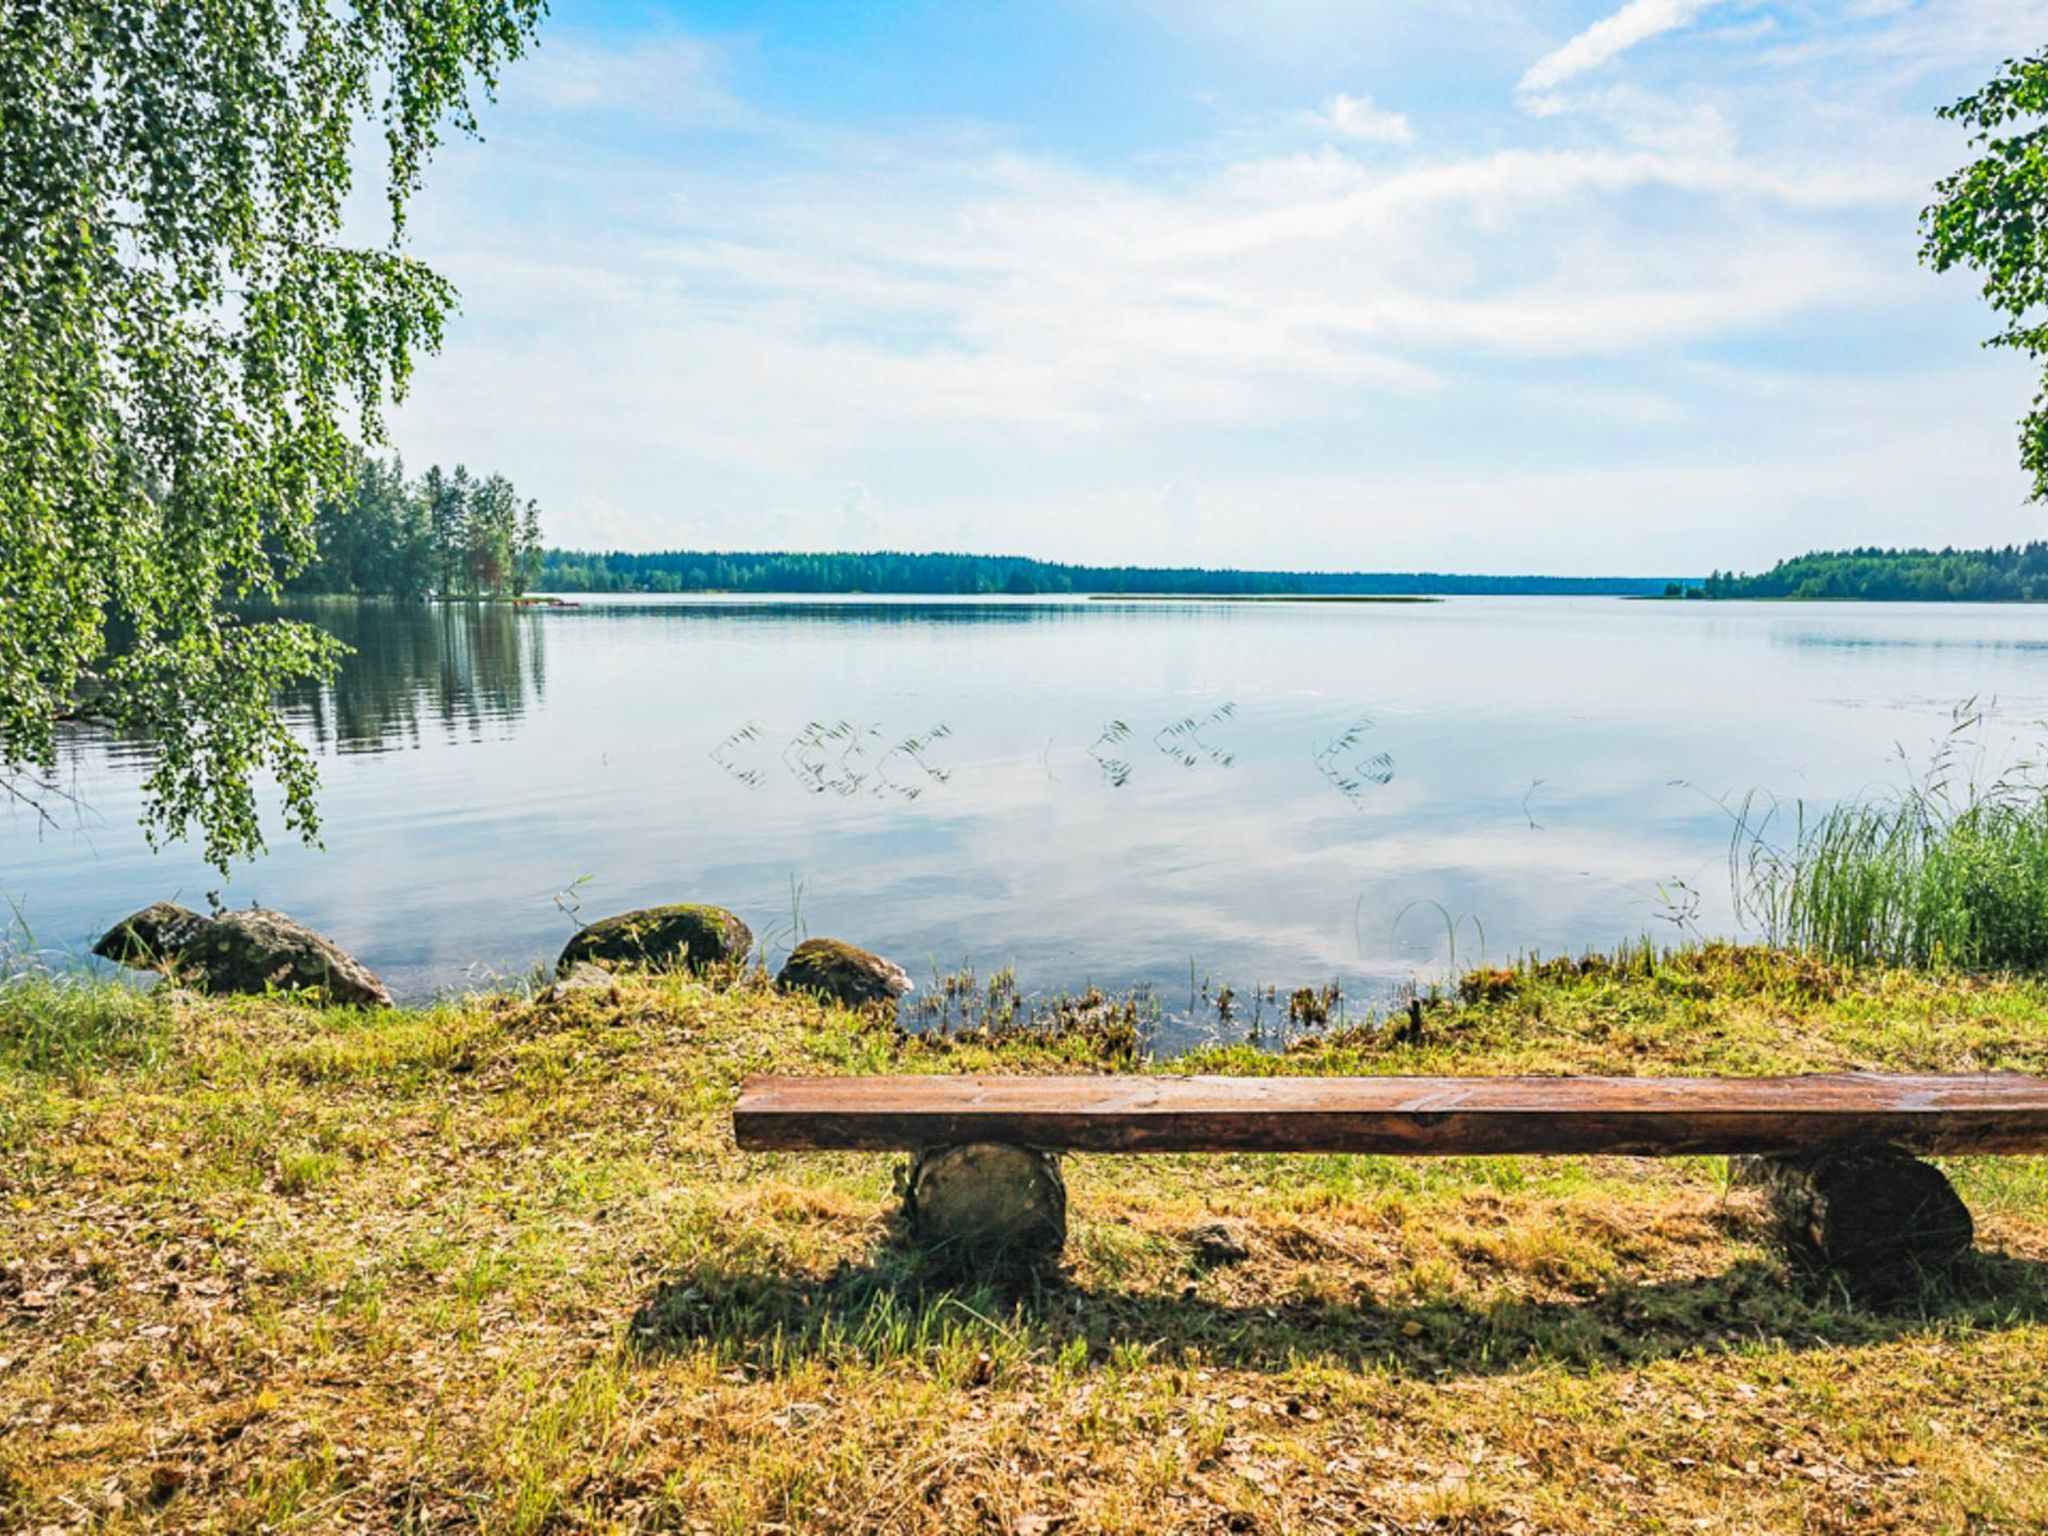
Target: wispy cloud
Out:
[1636,22]
[687,319]
[1355,117]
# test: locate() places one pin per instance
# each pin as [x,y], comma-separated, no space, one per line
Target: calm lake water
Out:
[1093,792]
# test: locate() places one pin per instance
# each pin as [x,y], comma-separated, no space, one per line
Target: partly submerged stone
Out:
[842,973]
[988,1204]
[253,951]
[584,983]
[676,937]
[152,938]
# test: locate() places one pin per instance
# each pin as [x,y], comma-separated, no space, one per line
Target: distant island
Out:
[952,575]
[2017,573]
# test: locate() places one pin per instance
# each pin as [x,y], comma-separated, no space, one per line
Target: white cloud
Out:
[911,334]
[1914,40]
[1843,485]
[1355,117]
[1636,22]
[1014,296]
[1020,319]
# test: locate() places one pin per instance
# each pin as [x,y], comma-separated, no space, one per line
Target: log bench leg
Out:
[1874,1215]
[988,1203]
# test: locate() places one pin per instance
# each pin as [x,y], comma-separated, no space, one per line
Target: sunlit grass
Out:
[72,1022]
[497,1265]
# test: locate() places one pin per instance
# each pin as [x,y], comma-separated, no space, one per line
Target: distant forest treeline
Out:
[444,534]
[2017,573]
[990,575]
[452,534]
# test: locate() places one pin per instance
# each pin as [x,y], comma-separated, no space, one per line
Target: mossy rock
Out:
[670,938]
[254,951]
[153,938]
[842,972]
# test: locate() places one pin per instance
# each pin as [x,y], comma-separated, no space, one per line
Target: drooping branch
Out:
[187,349]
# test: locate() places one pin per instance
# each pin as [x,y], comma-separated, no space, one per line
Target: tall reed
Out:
[1945,873]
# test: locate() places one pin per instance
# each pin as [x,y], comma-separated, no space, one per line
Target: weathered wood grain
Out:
[1412,1116]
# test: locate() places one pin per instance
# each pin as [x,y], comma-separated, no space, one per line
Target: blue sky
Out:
[1491,285]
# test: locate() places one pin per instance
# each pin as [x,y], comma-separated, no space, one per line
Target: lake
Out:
[1110,793]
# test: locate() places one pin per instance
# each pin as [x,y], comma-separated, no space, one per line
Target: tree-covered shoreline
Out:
[960,575]
[2017,573]
[446,534]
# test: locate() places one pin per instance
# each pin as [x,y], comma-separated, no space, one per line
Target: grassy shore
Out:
[498,1266]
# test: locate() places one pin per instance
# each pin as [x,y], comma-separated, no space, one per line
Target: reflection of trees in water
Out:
[855,611]
[414,668]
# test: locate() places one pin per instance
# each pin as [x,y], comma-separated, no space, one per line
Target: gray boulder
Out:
[682,937]
[842,973]
[253,952]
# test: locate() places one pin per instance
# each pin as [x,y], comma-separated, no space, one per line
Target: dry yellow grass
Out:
[498,1267]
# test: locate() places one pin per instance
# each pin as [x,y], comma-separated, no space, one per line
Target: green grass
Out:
[74,1022]
[1931,877]
[497,1266]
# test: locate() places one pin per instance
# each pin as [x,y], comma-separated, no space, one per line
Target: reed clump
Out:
[1931,877]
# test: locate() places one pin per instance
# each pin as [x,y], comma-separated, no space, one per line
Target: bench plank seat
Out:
[1401,1116]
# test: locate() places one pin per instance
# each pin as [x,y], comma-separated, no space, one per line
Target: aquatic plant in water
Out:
[1351,778]
[1183,741]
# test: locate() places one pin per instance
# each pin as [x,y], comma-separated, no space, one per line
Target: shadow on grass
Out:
[898,1307]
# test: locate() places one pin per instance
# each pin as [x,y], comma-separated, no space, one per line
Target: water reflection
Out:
[847,759]
[834,612]
[1116,769]
[1201,799]
[1838,641]
[1184,741]
[1348,769]
[450,671]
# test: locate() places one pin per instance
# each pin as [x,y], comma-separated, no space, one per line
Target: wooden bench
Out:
[1837,1155]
